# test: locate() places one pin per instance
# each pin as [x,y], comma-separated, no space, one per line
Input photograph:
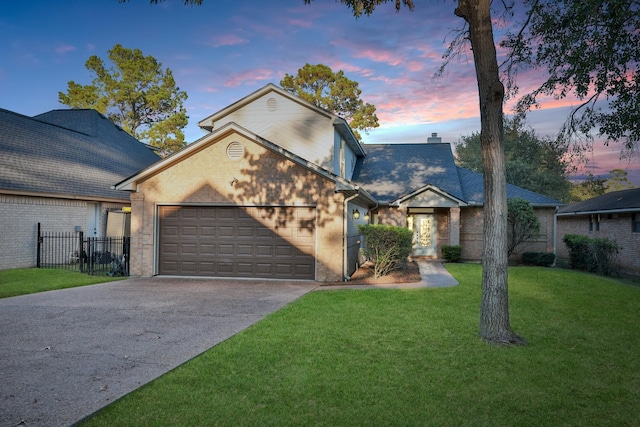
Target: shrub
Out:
[523,225]
[452,253]
[594,255]
[543,259]
[387,246]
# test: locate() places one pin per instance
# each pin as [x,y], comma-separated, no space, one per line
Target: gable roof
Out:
[342,185]
[391,171]
[394,172]
[67,153]
[338,122]
[616,201]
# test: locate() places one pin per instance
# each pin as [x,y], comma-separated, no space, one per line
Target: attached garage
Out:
[232,241]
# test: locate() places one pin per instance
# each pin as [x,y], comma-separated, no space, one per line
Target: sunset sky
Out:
[226,49]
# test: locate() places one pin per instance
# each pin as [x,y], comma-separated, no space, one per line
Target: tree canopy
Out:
[334,92]
[539,165]
[590,49]
[135,93]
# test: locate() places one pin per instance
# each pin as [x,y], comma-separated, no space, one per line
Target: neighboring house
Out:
[277,188]
[58,169]
[614,216]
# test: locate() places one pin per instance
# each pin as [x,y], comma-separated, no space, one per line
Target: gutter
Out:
[345,230]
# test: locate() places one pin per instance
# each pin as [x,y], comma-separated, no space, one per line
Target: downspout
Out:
[345,231]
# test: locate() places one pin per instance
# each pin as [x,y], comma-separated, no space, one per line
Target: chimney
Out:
[434,139]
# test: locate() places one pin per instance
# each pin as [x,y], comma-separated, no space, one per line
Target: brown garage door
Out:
[225,241]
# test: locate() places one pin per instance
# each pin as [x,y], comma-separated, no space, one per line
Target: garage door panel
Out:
[237,242]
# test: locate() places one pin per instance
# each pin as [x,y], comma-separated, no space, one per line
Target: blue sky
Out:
[225,49]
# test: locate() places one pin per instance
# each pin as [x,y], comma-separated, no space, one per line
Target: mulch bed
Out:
[410,273]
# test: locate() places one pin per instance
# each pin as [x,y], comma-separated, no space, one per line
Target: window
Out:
[635,223]
[594,222]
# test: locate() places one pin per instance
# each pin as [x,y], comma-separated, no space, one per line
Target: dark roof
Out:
[473,188]
[391,171]
[77,153]
[625,200]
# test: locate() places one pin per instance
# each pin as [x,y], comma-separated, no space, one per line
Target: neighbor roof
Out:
[67,153]
[391,171]
[616,201]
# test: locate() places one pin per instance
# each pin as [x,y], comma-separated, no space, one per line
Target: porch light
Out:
[366,217]
[356,214]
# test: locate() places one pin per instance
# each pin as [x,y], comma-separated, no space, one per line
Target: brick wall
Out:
[20,216]
[615,227]
[260,177]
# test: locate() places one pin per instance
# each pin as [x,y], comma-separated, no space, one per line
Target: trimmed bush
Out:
[387,246]
[451,253]
[543,259]
[595,255]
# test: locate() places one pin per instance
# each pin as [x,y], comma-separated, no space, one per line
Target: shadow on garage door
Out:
[230,241]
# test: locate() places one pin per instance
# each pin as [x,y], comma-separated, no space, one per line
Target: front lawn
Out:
[412,357]
[21,281]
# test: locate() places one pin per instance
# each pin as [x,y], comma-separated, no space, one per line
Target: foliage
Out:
[334,92]
[589,188]
[597,255]
[523,225]
[387,246]
[135,93]
[590,49]
[412,358]
[539,165]
[542,259]
[22,281]
[451,253]
[618,180]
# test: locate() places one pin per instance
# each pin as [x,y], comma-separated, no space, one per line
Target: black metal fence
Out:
[91,255]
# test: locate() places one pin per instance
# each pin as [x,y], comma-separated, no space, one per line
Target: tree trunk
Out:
[494,310]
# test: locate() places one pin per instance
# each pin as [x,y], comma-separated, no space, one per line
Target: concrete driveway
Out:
[65,354]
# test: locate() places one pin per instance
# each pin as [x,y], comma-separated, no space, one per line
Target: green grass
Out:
[413,357]
[22,281]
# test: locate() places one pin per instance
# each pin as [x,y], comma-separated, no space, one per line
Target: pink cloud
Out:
[229,40]
[249,77]
[300,23]
[65,48]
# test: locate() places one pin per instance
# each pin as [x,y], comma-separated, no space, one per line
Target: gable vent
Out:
[235,151]
[272,104]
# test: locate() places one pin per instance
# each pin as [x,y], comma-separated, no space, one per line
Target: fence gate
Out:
[92,255]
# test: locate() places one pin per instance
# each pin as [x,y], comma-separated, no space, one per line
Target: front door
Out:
[424,234]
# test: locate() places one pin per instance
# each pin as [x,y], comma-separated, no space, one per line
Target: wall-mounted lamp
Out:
[366,217]
[356,214]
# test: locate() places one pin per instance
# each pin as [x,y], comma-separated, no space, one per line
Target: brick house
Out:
[277,188]
[58,169]
[614,216]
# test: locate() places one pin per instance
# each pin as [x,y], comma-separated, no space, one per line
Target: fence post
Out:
[38,247]
[81,251]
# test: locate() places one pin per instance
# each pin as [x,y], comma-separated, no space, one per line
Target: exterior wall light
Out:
[356,214]
[366,217]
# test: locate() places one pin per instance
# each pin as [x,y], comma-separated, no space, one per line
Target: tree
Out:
[334,92]
[523,224]
[592,186]
[590,49]
[536,164]
[495,325]
[135,93]
[618,180]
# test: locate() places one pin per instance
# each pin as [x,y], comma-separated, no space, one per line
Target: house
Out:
[277,187]
[58,169]
[614,216]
